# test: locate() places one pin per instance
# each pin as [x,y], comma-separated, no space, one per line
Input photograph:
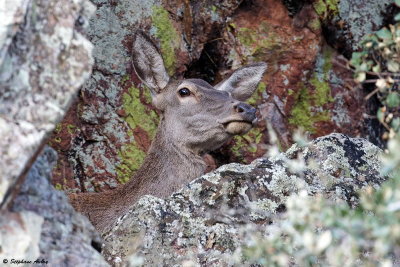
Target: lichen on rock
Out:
[206,221]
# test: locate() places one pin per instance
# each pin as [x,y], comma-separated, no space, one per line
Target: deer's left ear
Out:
[244,81]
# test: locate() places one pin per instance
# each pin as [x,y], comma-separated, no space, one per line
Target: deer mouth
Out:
[237,126]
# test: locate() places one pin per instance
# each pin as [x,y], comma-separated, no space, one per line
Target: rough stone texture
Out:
[40,72]
[107,131]
[19,236]
[207,220]
[58,234]
[302,87]
[12,14]
[348,21]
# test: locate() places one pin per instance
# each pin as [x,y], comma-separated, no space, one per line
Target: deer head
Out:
[195,114]
[195,118]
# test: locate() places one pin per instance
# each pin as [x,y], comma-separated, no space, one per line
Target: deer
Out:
[195,118]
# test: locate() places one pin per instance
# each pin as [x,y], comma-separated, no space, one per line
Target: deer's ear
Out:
[148,63]
[244,81]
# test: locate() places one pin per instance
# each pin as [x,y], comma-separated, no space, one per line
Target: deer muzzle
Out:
[242,119]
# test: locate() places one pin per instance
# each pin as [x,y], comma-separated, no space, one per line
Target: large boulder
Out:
[44,59]
[57,233]
[207,220]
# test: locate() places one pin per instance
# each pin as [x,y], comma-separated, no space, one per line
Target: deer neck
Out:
[167,167]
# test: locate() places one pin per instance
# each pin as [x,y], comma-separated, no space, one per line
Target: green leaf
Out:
[396,124]
[393,100]
[361,77]
[397,3]
[393,66]
[384,33]
[397,17]
[356,59]
[364,67]
[380,115]
[376,69]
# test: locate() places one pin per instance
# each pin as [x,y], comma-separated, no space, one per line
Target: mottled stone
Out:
[207,220]
[46,63]
[348,21]
[19,236]
[302,88]
[63,236]
[12,14]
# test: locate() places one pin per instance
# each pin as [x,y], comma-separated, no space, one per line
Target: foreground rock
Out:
[206,221]
[44,59]
[45,226]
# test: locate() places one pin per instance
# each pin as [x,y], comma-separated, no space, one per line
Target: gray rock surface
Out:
[44,59]
[57,233]
[207,220]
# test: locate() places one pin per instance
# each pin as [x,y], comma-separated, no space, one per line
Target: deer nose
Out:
[243,108]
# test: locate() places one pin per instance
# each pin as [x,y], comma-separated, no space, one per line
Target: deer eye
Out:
[184,92]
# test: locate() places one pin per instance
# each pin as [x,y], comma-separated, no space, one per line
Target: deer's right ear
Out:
[148,63]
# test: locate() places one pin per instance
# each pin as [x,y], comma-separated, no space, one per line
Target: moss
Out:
[301,112]
[290,92]
[247,142]
[247,36]
[71,128]
[58,128]
[322,89]
[58,187]
[131,159]
[302,115]
[260,41]
[168,36]
[325,8]
[125,79]
[257,96]
[137,115]
[316,24]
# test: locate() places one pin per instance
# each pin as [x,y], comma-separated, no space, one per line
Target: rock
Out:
[19,236]
[346,22]
[40,73]
[302,88]
[206,220]
[12,16]
[61,236]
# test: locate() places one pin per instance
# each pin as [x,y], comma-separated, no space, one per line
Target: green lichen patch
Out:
[261,40]
[138,116]
[257,96]
[316,24]
[326,8]
[71,128]
[168,36]
[302,115]
[310,101]
[58,128]
[246,143]
[131,159]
